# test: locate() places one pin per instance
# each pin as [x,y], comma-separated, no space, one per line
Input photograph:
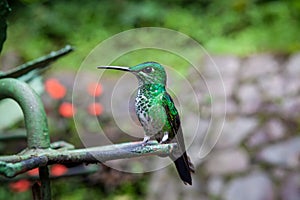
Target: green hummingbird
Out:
[157,113]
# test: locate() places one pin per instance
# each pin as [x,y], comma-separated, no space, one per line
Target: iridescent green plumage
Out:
[157,113]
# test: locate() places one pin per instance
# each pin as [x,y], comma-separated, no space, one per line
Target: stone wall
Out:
[257,155]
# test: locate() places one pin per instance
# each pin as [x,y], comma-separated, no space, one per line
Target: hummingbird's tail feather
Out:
[184,168]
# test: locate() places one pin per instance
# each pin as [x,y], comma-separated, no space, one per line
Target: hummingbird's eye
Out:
[148,70]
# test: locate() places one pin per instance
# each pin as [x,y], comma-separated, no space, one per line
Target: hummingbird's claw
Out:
[165,138]
[145,141]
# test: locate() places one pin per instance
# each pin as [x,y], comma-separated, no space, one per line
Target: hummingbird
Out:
[157,113]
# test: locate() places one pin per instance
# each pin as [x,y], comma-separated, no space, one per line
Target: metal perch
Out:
[38,64]
[11,166]
[40,153]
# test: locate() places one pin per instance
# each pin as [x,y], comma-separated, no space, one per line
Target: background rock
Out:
[254,186]
[254,154]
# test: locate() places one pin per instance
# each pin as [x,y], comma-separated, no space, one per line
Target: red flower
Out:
[95,89]
[20,185]
[95,109]
[66,110]
[55,89]
[58,170]
[33,172]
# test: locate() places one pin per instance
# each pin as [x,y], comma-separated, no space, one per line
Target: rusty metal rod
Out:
[39,158]
[37,64]
[33,110]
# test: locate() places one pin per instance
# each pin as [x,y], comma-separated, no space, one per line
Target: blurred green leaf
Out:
[4,10]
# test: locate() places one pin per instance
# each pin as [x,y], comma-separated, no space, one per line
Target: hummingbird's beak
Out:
[114,67]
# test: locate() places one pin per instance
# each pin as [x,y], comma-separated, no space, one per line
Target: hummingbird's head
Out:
[146,73]
[149,73]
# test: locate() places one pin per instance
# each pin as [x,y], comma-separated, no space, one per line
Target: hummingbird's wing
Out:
[173,120]
[180,158]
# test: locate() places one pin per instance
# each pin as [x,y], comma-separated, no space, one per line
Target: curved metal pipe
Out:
[33,110]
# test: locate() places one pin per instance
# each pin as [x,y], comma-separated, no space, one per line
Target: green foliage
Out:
[237,26]
[5,193]
[75,189]
[4,9]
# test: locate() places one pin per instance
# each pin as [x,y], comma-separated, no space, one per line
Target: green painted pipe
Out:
[35,122]
[33,110]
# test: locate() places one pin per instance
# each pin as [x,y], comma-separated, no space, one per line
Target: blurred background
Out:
[255,44]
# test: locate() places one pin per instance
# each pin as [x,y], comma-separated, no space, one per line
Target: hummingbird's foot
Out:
[145,141]
[165,138]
